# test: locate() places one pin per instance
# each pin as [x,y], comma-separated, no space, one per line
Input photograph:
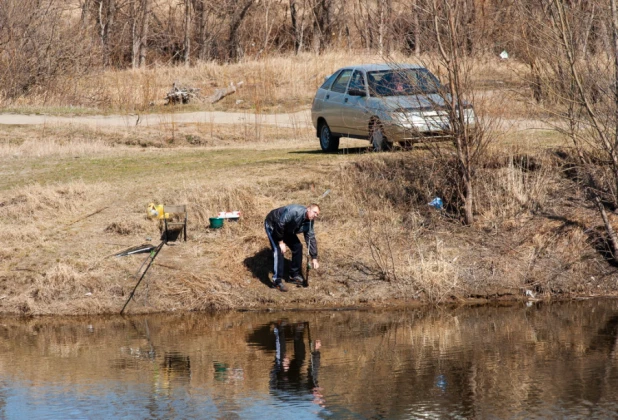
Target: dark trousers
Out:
[295,246]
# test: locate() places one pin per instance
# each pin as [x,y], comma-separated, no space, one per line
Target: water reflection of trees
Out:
[475,362]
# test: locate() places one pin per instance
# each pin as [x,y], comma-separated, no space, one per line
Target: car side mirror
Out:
[357,92]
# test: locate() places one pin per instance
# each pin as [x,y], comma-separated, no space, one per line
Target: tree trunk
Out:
[201,12]
[469,12]
[187,30]
[608,227]
[381,28]
[448,32]
[84,15]
[144,33]
[237,18]
[615,54]
[294,25]
[107,13]
[321,24]
[416,31]
[139,32]
[135,35]
[468,208]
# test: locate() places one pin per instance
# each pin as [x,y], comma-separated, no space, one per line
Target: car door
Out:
[333,102]
[354,107]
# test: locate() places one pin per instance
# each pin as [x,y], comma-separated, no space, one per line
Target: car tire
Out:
[379,142]
[328,142]
[407,145]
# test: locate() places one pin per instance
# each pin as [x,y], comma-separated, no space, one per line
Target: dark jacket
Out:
[290,220]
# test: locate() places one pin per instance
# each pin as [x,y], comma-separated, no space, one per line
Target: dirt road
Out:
[301,119]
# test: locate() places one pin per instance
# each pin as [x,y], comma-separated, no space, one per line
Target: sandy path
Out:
[295,120]
[301,119]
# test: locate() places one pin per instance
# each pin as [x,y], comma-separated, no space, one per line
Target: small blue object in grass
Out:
[436,203]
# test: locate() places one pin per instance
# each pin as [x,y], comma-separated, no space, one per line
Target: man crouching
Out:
[282,225]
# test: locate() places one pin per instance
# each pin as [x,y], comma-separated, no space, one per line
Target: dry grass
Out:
[73,195]
[379,241]
[271,84]
[523,183]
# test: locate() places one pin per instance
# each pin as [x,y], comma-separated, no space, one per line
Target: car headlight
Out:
[410,116]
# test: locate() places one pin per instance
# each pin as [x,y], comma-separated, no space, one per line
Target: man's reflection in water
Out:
[314,368]
[287,373]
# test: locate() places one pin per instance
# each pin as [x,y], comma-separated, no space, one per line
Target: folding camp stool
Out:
[175,220]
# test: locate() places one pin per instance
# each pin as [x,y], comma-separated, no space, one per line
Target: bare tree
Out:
[38,46]
[144,33]
[106,19]
[187,32]
[140,11]
[238,14]
[415,31]
[449,24]
[322,14]
[363,23]
[202,12]
[84,14]
[296,27]
[384,17]
[585,90]
[269,22]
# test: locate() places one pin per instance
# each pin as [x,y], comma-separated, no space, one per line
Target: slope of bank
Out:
[72,197]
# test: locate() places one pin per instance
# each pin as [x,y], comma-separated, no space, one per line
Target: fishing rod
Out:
[308,266]
[306,280]
[150,259]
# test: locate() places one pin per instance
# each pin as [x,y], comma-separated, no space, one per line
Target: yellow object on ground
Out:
[156,211]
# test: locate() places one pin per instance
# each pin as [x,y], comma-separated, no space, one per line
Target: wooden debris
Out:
[181,94]
[222,93]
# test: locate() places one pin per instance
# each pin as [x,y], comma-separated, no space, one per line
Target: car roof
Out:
[385,66]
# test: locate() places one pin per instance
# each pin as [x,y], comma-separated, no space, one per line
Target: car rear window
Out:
[329,81]
[341,83]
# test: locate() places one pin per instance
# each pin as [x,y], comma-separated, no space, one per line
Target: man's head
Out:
[313,211]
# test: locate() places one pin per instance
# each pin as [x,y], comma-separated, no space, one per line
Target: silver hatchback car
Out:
[383,103]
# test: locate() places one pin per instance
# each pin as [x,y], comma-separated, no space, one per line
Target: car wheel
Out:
[407,145]
[328,141]
[379,142]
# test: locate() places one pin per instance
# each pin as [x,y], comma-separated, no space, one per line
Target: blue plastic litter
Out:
[441,382]
[436,203]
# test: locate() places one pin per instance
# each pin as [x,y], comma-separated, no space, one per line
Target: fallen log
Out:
[182,95]
[222,93]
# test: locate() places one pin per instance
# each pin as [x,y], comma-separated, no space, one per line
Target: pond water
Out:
[555,360]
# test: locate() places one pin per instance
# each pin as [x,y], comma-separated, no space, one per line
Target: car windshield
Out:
[402,82]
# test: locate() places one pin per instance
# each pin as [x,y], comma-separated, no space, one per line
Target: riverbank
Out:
[73,196]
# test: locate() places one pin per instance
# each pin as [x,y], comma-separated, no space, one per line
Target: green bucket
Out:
[216,222]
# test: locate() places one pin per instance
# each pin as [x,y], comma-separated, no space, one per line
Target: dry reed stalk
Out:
[513,189]
[433,273]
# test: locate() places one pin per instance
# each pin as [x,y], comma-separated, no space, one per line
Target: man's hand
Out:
[314,264]
[283,247]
